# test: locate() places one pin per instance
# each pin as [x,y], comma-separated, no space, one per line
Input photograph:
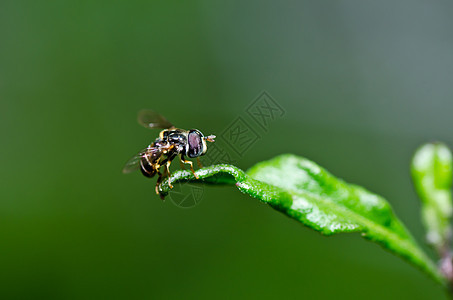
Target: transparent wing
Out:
[134,163]
[150,119]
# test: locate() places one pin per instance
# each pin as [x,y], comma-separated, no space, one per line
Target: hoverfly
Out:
[171,142]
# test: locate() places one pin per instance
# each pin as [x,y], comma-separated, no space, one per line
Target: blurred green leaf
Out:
[432,176]
[308,193]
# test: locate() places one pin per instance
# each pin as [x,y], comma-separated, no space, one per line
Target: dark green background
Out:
[363,83]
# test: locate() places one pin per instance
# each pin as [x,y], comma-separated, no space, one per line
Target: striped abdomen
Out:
[149,162]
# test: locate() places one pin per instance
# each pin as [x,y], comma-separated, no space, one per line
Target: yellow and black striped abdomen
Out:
[149,164]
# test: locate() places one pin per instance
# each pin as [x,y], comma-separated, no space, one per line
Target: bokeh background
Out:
[363,83]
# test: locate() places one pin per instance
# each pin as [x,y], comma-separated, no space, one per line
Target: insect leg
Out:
[158,181]
[200,165]
[191,165]
[167,167]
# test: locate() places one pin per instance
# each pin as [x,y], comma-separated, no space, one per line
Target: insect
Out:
[172,142]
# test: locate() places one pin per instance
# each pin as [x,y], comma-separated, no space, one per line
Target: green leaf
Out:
[309,194]
[432,175]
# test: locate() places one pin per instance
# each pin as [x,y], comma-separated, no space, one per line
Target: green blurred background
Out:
[363,83]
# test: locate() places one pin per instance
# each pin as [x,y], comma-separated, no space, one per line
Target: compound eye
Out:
[195,141]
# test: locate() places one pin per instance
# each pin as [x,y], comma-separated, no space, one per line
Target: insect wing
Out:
[134,163]
[150,119]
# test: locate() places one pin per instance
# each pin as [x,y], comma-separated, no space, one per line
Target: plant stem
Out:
[446,262]
[446,268]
